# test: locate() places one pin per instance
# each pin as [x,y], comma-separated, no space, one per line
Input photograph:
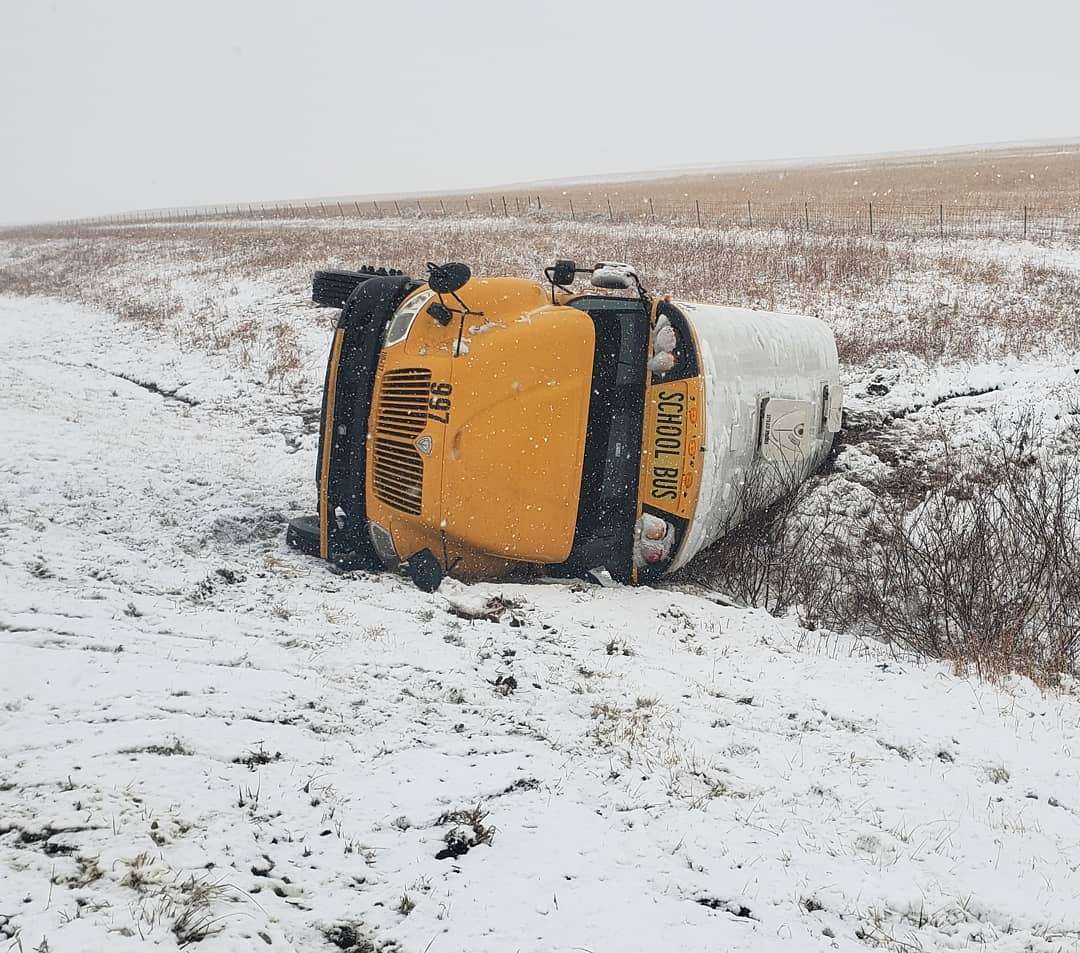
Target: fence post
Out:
[573,217]
[1025,221]
[652,211]
[378,211]
[442,205]
[697,205]
[610,213]
[517,204]
[506,211]
[871,204]
[539,207]
[806,214]
[941,221]
[398,207]
[749,214]
[467,209]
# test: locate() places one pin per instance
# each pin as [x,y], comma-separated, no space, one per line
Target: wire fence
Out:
[943,220]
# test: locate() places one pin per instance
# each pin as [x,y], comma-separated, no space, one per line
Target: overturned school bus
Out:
[478,426]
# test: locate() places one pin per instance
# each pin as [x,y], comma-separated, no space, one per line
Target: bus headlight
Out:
[384,545]
[401,323]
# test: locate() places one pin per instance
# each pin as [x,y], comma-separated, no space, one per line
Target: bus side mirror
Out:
[563,273]
[448,278]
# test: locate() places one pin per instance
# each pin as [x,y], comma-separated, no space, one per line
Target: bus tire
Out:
[331,289]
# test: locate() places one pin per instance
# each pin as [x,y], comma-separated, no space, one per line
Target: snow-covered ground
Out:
[202,732]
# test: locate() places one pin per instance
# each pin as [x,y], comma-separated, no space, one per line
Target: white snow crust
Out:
[281,750]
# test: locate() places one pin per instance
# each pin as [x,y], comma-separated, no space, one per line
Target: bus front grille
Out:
[401,416]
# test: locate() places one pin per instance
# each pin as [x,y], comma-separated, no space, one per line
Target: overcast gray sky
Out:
[124,104]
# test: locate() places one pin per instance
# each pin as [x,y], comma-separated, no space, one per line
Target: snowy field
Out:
[207,738]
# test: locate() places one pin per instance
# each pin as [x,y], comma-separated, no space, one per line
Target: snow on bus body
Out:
[771,390]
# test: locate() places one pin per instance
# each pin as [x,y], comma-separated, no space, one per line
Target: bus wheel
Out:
[331,289]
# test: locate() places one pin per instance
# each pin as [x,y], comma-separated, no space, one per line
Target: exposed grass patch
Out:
[87,871]
[469,831]
[168,749]
[256,758]
[354,937]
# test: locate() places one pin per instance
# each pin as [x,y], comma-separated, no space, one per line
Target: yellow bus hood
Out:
[512,461]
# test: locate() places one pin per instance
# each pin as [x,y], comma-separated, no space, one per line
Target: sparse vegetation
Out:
[256,758]
[168,749]
[87,870]
[374,633]
[194,917]
[972,557]
[355,938]
[469,831]
[187,906]
[141,872]
[885,296]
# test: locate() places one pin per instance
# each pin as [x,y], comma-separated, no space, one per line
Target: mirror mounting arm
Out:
[561,275]
[448,279]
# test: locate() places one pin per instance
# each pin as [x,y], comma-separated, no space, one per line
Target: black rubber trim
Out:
[362,321]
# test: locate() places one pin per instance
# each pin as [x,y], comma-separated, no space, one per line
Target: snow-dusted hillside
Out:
[202,732]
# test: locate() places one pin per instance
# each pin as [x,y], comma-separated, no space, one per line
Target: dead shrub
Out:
[985,572]
[778,548]
[982,569]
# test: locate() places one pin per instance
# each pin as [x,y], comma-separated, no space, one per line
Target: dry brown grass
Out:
[1013,192]
[1038,176]
[883,298]
[193,287]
